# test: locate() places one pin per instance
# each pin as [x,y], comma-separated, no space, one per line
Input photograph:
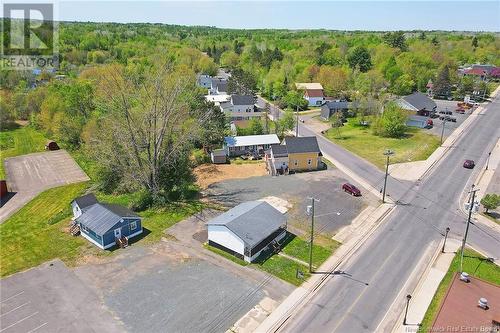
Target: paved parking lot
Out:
[334,210]
[50,298]
[30,174]
[443,105]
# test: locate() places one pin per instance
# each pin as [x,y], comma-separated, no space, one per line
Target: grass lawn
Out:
[476,266]
[360,140]
[28,239]
[299,249]
[19,141]
[239,161]
[226,255]
[284,269]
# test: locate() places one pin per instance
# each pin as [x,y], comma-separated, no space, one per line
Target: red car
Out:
[351,189]
[469,164]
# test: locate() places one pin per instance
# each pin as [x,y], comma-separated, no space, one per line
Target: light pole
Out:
[312,232]
[297,125]
[442,130]
[445,236]
[387,153]
[408,297]
[488,160]
[471,207]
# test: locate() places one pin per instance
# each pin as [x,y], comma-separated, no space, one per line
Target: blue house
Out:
[105,224]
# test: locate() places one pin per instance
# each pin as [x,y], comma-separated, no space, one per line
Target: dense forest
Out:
[125,94]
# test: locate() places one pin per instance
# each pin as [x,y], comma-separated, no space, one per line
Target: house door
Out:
[118,233]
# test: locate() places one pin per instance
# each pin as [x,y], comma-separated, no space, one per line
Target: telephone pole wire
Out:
[464,240]
[312,233]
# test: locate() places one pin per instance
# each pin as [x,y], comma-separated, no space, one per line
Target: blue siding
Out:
[92,235]
[109,237]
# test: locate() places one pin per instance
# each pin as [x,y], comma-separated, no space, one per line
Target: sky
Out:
[335,15]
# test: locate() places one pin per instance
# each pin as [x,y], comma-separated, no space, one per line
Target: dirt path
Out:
[208,174]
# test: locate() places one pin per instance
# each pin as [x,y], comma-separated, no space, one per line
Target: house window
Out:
[133,225]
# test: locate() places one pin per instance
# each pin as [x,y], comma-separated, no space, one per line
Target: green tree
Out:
[242,82]
[474,42]
[392,123]
[294,99]
[442,85]
[396,39]
[360,58]
[490,201]
[256,127]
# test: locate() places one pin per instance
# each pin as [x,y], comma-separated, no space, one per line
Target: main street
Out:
[357,299]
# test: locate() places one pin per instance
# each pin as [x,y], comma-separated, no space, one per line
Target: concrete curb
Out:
[304,293]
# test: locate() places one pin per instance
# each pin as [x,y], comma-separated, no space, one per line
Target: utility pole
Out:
[471,207]
[387,153]
[442,131]
[445,236]
[408,298]
[297,126]
[311,211]
[488,160]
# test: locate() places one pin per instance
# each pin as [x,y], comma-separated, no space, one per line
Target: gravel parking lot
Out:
[50,298]
[334,210]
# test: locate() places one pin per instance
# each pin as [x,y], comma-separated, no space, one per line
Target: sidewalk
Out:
[354,236]
[426,288]
[416,170]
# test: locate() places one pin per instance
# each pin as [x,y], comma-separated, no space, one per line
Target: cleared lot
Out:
[335,209]
[28,175]
[50,298]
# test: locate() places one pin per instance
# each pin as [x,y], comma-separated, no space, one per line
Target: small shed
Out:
[247,229]
[104,224]
[218,156]
[51,145]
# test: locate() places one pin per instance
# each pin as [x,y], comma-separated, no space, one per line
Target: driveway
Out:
[30,174]
[50,298]
[334,210]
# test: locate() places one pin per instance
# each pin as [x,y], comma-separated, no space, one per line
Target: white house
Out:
[218,99]
[239,145]
[278,159]
[313,93]
[247,229]
[240,107]
[80,203]
[218,86]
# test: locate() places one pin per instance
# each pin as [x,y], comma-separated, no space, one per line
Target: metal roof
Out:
[251,221]
[279,150]
[303,144]
[251,140]
[86,200]
[242,100]
[420,101]
[100,218]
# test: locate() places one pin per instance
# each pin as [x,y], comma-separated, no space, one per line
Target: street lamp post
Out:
[442,130]
[387,153]
[445,236]
[488,160]
[408,297]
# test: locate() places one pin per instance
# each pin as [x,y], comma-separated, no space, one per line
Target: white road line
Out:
[36,328]
[19,321]
[20,306]
[5,300]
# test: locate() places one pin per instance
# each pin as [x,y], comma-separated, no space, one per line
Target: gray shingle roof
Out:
[279,150]
[420,101]
[100,217]
[251,221]
[242,100]
[86,200]
[303,144]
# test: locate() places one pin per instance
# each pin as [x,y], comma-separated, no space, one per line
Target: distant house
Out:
[419,103]
[204,81]
[313,93]
[240,145]
[218,87]
[103,224]
[218,99]
[332,107]
[247,229]
[480,71]
[294,154]
[303,153]
[430,88]
[240,107]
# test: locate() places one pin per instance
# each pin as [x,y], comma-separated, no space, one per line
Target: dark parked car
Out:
[351,189]
[469,164]
[434,115]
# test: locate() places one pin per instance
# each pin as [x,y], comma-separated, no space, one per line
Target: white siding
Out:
[76,210]
[278,238]
[225,237]
[315,101]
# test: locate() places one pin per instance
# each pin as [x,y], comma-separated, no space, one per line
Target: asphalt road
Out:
[357,300]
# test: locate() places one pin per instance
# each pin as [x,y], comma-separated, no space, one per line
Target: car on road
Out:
[434,115]
[445,112]
[469,164]
[351,189]
[448,118]
[460,110]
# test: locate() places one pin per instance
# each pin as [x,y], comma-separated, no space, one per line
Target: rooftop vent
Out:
[464,277]
[483,303]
